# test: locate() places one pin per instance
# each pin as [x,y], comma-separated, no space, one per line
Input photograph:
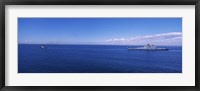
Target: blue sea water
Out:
[97,59]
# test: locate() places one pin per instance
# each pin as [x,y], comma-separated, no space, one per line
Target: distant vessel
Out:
[43,47]
[150,48]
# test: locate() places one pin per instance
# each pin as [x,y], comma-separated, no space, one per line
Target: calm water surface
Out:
[97,59]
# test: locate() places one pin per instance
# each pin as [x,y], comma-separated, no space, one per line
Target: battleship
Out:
[149,47]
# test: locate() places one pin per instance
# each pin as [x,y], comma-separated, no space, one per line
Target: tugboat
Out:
[149,47]
[43,47]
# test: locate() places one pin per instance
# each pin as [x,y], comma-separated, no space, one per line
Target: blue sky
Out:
[119,31]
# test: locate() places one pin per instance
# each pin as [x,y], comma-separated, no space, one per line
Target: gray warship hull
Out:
[159,49]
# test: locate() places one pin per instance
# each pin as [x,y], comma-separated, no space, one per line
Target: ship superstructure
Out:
[149,47]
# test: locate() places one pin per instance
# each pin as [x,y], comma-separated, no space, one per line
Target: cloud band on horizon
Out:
[171,38]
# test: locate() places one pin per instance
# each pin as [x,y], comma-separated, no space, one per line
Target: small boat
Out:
[149,47]
[43,47]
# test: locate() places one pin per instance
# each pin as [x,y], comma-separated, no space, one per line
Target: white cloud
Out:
[172,38]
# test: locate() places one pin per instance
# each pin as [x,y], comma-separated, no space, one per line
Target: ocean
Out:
[97,59]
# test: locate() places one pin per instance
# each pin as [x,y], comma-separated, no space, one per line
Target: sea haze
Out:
[97,59]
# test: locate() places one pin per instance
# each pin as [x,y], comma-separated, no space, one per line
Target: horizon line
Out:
[93,44]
